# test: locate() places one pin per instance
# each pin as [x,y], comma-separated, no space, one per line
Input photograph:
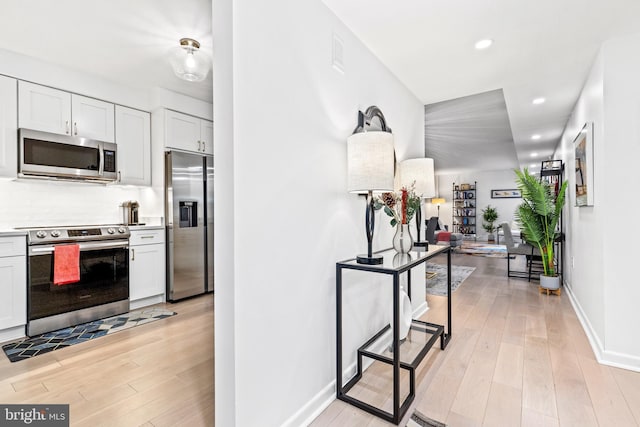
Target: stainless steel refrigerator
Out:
[189,217]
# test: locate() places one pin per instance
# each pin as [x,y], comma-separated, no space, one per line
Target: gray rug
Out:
[420,420]
[437,285]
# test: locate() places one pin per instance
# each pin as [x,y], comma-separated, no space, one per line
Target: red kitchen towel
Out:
[66,264]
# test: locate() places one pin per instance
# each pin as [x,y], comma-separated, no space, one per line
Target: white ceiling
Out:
[541,48]
[125,41]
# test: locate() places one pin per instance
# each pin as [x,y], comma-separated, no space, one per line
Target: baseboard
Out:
[143,302]
[420,310]
[11,334]
[604,357]
[313,407]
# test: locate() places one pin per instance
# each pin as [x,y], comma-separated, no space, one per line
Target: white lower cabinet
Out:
[13,282]
[146,264]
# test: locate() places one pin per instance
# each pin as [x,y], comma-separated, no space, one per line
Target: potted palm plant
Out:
[489,217]
[538,216]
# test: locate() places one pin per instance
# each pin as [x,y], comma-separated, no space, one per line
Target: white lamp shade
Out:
[370,162]
[420,171]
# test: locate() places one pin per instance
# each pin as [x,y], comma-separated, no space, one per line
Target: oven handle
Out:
[93,246]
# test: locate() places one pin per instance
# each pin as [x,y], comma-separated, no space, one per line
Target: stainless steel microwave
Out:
[62,156]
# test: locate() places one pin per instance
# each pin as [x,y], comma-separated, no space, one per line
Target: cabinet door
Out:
[43,108]
[133,136]
[13,288]
[182,132]
[146,271]
[92,118]
[206,136]
[8,123]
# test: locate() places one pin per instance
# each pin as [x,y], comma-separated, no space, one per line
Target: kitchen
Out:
[149,119]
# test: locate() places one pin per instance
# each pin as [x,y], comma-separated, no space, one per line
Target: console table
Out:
[400,355]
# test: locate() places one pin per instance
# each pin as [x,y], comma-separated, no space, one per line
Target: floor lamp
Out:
[437,201]
[419,173]
[370,166]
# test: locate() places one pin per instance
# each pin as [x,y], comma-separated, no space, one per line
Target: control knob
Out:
[122,230]
[110,230]
[41,234]
[55,233]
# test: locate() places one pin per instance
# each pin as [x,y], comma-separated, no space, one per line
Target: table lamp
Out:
[370,168]
[420,173]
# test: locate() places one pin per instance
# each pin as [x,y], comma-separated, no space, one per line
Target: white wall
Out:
[486,181]
[602,282]
[292,115]
[583,236]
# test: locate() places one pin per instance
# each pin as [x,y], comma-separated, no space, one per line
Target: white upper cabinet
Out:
[206,136]
[8,129]
[133,136]
[188,133]
[43,108]
[52,110]
[92,118]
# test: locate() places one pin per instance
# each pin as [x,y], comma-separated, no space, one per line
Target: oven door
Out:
[104,278]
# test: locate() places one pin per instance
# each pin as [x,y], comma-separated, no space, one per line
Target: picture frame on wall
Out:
[506,194]
[583,151]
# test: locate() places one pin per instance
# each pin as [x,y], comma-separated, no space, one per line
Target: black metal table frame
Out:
[399,410]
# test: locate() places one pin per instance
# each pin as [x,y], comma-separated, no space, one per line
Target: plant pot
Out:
[550,282]
[402,241]
[491,238]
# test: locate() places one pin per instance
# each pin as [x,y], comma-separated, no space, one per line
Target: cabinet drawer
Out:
[146,237]
[13,246]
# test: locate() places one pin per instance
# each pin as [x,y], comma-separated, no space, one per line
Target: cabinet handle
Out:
[199,147]
[67,127]
[133,254]
[119,176]
[204,146]
[75,128]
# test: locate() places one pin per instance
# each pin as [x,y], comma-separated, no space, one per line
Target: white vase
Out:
[405,311]
[549,282]
[402,240]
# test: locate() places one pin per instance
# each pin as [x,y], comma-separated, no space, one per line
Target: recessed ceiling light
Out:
[534,154]
[538,101]
[535,137]
[533,165]
[483,44]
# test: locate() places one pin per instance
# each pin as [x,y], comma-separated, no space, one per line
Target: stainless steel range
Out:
[103,286]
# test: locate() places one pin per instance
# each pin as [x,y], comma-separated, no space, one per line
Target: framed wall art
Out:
[583,147]
[506,194]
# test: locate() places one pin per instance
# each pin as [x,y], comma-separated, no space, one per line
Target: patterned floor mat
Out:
[40,344]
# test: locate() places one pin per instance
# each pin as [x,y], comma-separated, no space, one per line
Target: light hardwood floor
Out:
[517,358]
[158,374]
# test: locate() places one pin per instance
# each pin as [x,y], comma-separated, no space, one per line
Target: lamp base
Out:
[421,244]
[370,260]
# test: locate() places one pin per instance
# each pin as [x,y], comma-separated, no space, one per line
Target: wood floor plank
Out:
[609,404]
[504,406]
[509,365]
[538,391]
[629,383]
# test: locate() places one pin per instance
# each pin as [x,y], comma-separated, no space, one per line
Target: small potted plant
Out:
[538,216]
[400,207]
[489,217]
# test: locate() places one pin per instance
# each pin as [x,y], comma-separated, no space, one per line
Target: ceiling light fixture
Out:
[188,62]
[535,137]
[538,101]
[533,165]
[534,154]
[483,44]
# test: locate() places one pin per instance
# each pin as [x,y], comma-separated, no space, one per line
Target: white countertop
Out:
[9,232]
[145,227]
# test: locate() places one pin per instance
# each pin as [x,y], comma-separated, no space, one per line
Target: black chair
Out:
[530,252]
